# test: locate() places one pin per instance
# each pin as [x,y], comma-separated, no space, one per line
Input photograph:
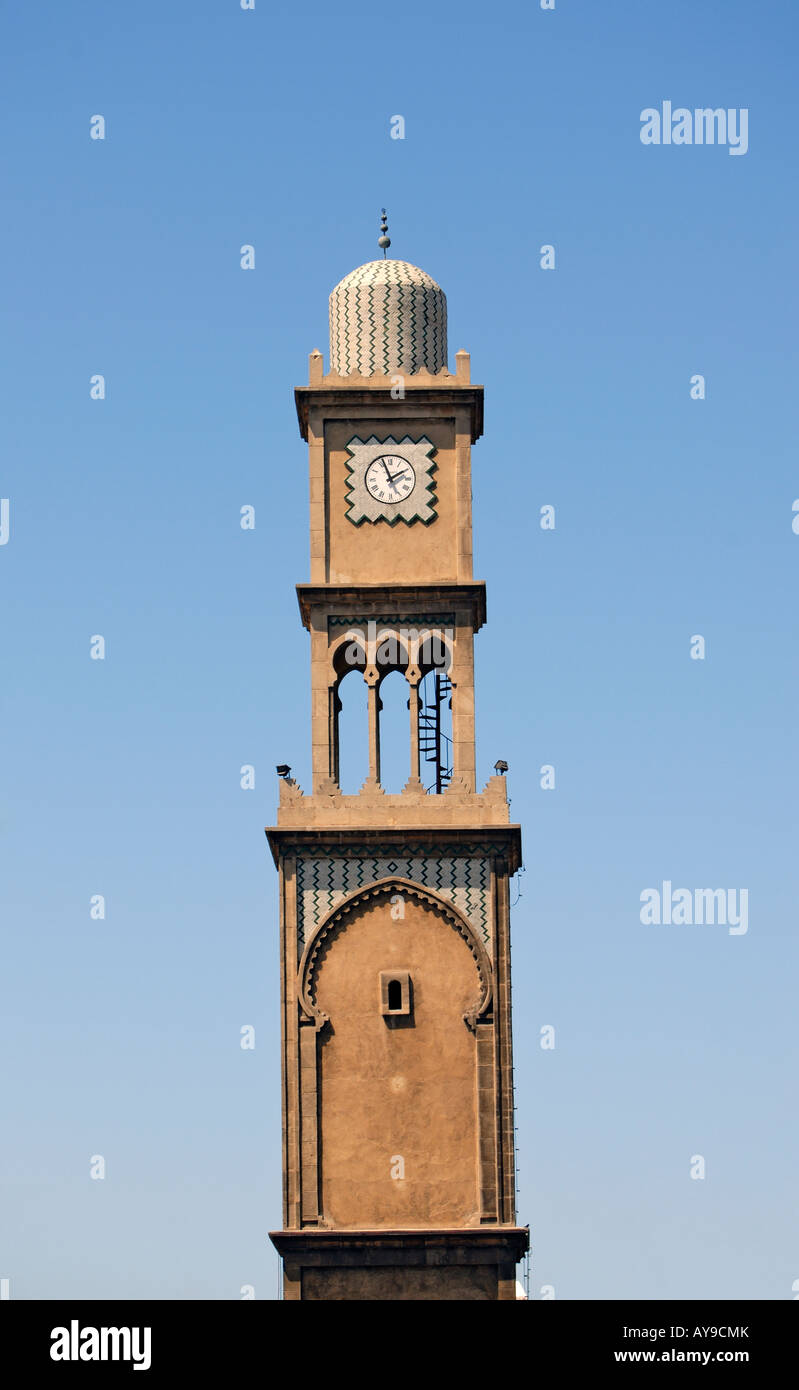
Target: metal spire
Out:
[384,239]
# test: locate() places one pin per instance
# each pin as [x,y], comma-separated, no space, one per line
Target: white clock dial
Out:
[390,478]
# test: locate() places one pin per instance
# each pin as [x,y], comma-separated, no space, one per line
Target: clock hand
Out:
[392,477]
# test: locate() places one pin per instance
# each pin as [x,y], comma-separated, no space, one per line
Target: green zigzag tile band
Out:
[453,876]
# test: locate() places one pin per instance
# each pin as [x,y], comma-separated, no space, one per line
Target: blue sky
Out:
[121,777]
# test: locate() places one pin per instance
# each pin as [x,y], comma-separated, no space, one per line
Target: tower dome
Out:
[387,316]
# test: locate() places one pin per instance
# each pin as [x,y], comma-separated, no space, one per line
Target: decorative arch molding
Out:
[384,888]
[428,640]
[337,669]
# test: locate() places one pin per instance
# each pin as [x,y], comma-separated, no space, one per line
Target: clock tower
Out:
[397,1077]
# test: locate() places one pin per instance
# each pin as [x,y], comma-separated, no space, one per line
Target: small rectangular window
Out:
[395,993]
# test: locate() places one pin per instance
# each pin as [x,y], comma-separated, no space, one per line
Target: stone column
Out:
[413,676]
[371,675]
[463,753]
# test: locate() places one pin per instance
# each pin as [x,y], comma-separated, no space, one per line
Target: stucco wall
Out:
[398,1089]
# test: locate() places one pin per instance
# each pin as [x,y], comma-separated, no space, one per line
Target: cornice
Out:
[349,400]
[357,599]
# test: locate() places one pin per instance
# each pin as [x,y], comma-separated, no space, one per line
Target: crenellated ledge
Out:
[456,808]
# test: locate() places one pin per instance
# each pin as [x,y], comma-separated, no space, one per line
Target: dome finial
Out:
[384,239]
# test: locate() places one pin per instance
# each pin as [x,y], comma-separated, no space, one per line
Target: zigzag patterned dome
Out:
[387,316]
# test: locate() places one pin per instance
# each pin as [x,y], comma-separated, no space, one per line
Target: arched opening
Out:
[352,732]
[435,729]
[405,723]
[395,747]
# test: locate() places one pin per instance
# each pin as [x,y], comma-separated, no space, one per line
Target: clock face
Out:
[390,481]
[390,478]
